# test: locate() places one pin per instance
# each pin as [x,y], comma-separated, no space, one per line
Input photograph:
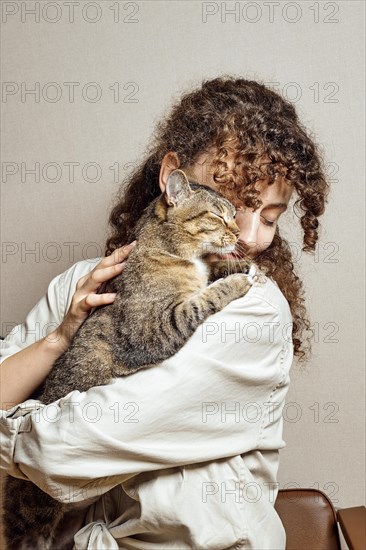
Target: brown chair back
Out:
[309,520]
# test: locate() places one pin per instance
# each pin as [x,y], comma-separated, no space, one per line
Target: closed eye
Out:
[268,222]
[222,217]
[274,210]
[216,215]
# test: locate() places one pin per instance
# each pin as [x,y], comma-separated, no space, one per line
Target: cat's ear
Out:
[177,188]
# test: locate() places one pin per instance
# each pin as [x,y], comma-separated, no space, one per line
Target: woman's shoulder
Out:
[267,289]
[267,292]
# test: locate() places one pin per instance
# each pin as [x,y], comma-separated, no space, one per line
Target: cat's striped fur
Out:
[163,295]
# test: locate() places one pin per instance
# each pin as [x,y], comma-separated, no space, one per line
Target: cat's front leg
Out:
[188,315]
[223,268]
[180,322]
[222,291]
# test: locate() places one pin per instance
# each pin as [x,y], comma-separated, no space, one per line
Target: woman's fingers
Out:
[95,300]
[79,310]
[106,269]
[117,256]
[92,300]
[99,275]
[86,298]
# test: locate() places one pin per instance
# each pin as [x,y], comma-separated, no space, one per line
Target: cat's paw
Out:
[238,284]
[221,269]
[252,275]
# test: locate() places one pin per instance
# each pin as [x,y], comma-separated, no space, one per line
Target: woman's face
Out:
[257,227]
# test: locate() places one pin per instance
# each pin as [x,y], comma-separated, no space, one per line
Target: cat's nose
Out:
[235,229]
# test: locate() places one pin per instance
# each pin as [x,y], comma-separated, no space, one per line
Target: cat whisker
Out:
[242,249]
[232,266]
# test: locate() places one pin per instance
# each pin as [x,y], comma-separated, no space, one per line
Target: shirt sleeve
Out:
[221,395]
[48,312]
[43,318]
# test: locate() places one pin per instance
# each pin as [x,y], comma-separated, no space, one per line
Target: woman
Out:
[184,455]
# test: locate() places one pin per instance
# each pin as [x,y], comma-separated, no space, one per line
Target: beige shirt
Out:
[181,455]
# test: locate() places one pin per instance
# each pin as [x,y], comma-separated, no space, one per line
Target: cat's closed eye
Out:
[223,217]
[217,215]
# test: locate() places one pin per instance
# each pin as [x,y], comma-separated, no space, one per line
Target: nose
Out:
[249,223]
[234,228]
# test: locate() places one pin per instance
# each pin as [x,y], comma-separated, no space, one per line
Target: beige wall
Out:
[154,52]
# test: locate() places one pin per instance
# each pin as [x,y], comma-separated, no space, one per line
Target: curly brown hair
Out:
[268,141]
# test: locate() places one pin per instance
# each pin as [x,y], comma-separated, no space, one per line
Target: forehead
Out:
[279,191]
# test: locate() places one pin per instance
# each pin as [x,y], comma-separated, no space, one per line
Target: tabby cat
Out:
[167,284]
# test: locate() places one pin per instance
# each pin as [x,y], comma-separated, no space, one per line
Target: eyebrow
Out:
[276,205]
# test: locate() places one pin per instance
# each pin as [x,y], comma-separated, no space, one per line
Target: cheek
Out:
[265,237]
[254,234]
[257,241]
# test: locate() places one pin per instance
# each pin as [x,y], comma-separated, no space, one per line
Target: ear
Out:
[177,188]
[169,163]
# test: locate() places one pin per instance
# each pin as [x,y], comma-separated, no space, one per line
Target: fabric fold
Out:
[95,536]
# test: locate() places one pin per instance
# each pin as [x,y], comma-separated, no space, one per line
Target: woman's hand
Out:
[86,296]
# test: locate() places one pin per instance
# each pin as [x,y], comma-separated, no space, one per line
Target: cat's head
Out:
[203,219]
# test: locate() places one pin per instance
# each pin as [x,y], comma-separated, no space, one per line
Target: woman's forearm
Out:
[24,371]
